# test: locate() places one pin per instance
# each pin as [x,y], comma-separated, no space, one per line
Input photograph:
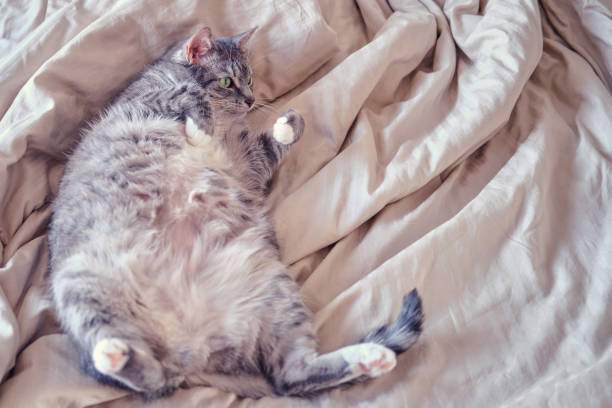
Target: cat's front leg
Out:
[288,128]
[198,121]
[271,146]
[197,133]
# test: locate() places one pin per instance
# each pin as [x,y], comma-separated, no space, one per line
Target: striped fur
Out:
[164,266]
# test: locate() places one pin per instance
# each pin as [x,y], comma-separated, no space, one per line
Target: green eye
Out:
[226,82]
[249,81]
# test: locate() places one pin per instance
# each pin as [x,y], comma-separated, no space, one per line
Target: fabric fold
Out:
[461,147]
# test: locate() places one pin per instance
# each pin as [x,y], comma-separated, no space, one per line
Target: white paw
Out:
[110,355]
[195,135]
[282,132]
[191,129]
[370,359]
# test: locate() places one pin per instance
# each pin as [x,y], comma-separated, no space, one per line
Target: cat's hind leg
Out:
[114,349]
[132,363]
[312,374]
[305,372]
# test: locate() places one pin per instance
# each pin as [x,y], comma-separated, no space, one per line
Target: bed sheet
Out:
[461,147]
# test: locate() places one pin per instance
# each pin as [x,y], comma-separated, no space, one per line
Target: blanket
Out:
[462,147]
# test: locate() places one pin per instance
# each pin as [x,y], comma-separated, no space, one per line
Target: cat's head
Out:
[228,74]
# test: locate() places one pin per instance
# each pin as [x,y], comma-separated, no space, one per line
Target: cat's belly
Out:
[187,257]
[204,262]
[203,201]
[195,302]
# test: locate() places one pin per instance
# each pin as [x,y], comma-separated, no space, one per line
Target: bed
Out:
[461,147]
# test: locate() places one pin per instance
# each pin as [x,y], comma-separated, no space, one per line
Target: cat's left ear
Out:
[200,45]
[243,39]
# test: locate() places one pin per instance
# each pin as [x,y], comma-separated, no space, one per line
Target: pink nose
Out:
[250,101]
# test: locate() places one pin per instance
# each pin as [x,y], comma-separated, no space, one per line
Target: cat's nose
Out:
[250,101]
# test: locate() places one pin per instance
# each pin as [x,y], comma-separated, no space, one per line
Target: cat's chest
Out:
[202,167]
[202,194]
[200,150]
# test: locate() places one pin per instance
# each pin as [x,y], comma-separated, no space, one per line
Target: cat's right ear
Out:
[201,44]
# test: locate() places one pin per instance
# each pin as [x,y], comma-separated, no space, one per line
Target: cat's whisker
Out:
[266,108]
[263,103]
[260,99]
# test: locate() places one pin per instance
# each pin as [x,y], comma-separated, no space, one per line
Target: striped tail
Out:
[400,335]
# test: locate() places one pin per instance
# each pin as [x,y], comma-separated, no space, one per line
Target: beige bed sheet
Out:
[461,147]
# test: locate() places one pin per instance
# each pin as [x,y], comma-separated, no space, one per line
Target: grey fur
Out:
[404,332]
[162,241]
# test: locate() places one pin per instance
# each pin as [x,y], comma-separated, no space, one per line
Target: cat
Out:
[164,267]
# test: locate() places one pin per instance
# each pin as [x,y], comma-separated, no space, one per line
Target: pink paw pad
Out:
[376,360]
[110,355]
[370,359]
[382,365]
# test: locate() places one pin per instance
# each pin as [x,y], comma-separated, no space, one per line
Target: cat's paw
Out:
[369,359]
[282,131]
[110,355]
[288,128]
[195,135]
[132,364]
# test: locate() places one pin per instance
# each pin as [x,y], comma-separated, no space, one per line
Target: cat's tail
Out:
[400,335]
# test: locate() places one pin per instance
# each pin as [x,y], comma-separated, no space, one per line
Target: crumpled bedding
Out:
[461,147]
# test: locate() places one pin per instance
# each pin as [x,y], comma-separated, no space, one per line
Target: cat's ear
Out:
[201,44]
[243,39]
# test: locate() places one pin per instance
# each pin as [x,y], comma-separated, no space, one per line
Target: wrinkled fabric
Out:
[461,147]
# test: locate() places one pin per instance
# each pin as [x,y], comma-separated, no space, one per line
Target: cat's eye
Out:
[226,82]
[249,81]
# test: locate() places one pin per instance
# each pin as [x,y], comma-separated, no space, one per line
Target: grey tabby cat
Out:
[164,266]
